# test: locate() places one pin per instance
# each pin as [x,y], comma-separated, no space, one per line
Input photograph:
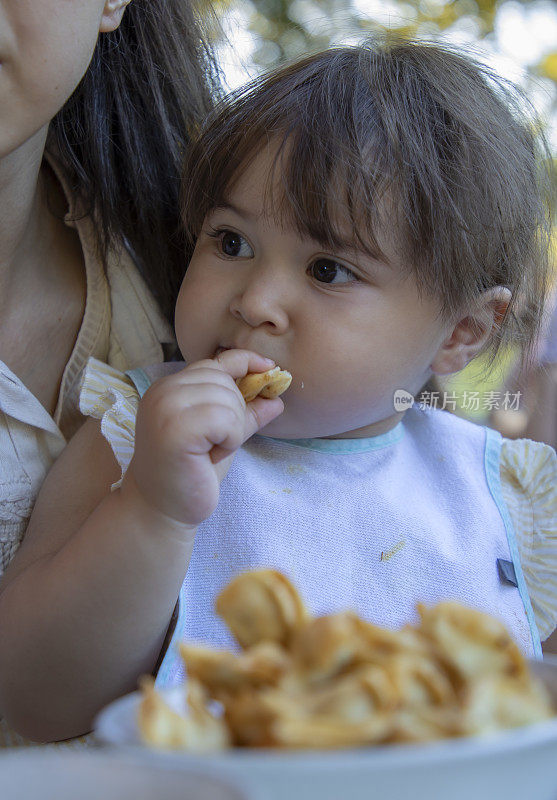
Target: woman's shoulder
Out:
[139,333]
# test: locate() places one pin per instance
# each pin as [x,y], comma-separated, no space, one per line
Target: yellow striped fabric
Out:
[109,395]
[529,485]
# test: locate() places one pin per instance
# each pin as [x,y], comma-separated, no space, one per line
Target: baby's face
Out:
[350,329]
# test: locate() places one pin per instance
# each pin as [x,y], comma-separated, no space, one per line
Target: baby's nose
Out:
[262,301]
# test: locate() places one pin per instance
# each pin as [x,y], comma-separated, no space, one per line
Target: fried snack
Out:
[252,717]
[339,681]
[274,716]
[162,728]
[261,606]
[493,703]
[425,724]
[268,384]
[471,644]
[420,681]
[222,673]
[328,732]
[353,698]
[329,645]
[326,646]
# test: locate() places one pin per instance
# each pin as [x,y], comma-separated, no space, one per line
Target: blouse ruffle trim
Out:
[109,395]
[529,486]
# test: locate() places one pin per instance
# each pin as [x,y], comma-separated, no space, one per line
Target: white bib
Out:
[374,525]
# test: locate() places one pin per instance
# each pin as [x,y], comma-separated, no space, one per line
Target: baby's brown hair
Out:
[416,133]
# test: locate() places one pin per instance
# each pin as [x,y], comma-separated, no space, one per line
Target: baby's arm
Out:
[85,604]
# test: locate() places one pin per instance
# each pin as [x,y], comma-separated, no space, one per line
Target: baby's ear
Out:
[471,332]
[112,15]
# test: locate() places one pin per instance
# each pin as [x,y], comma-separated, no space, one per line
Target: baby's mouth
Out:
[221,349]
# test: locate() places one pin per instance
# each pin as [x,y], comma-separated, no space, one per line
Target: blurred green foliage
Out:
[285,29]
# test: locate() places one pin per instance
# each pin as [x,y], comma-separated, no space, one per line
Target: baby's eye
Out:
[234,245]
[327,271]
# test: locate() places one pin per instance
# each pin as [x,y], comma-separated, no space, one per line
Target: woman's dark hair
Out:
[124,132]
[414,137]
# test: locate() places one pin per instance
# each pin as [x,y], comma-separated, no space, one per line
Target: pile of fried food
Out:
[338,681]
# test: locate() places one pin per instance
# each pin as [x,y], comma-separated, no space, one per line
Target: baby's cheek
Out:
[188,323]
[312,403]
[181,331]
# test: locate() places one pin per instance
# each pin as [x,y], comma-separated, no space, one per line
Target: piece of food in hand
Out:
[261,605]
[268,384]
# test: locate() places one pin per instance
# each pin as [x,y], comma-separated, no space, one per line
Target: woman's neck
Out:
[22,219]
[42,275]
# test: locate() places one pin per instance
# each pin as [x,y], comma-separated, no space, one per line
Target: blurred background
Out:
[517,38]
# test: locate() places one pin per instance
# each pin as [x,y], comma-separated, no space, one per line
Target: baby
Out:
[365,218]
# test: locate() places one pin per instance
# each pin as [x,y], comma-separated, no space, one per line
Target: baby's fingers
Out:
[237,363]
[258,414]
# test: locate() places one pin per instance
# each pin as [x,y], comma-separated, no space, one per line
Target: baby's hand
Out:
[189,426]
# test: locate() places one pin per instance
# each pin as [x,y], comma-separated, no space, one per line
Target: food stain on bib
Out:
[388,554]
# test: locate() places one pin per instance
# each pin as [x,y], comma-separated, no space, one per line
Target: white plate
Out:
[44,773]
[514,765]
